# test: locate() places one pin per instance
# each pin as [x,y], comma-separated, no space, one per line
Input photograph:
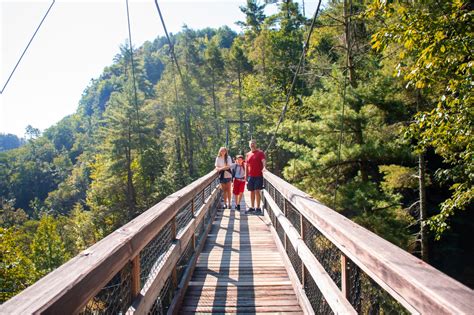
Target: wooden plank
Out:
[235,309]
[240,263]
[242,301]
[298,287]
[240,312]
[409,280]
[176,302]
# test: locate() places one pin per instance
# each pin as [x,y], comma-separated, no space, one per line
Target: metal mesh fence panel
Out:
[115,297]
[325,252]
[163,300]
[295,260]
[315,297]
[152,255]
[208,190]
[199,232]
[280,232]
[367,297]
[198,202]
[183,217]
[293,215]
[270,214]
[184,260]
[216,182]
[279,200]
[271,190]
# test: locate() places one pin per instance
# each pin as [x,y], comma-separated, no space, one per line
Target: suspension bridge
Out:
[187,255]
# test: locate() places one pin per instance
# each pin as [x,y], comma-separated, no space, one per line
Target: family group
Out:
[239,172]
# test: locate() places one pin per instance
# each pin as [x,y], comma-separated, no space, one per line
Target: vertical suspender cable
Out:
[341,134]
[303,54]
[169,41]
[133,77]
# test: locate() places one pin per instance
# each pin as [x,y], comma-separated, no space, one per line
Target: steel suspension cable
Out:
[169,41]
[28,45]
[341,134]
[133,77]
[300,63]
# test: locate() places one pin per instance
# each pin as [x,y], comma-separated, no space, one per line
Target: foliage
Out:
[17,271]
[47,248]
[434,42]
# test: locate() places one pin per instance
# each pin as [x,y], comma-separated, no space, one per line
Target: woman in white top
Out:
[223,165]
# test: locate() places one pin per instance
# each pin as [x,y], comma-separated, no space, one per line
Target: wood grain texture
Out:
[415,284]
[240,270]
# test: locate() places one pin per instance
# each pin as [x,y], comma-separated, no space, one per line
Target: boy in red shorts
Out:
[238,171]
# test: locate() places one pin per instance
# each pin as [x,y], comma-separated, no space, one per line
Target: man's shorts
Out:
[239,186]
[255,183]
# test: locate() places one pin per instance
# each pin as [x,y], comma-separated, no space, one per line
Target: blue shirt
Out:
[239,171]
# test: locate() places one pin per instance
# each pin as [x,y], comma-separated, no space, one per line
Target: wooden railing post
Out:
[345,276]
[135,285]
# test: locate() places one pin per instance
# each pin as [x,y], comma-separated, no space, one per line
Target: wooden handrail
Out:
[412,282]
[67,289]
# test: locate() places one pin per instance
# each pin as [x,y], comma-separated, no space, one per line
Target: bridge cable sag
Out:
[26,48]
[303,54]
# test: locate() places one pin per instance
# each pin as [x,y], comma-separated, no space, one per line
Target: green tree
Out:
[47,248]
[254,16]
[17,271]
[433,42]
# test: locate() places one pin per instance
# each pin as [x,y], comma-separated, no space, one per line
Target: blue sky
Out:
[76,41]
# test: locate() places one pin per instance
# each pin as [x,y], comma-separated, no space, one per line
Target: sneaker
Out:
[251,210]
[225,206]
[237,207]
[258,211]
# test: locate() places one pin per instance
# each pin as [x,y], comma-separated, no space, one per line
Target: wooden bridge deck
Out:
[240,270]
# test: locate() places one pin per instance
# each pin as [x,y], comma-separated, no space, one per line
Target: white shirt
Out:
[220,163]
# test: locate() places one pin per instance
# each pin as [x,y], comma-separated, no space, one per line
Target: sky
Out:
[76,41]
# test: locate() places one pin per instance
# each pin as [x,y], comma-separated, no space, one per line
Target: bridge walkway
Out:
[240,269]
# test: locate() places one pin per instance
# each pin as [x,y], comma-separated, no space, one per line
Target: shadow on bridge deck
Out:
[240,269]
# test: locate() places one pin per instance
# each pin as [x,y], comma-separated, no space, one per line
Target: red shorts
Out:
[239,186]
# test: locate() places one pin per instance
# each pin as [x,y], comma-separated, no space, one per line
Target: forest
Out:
[379,126]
